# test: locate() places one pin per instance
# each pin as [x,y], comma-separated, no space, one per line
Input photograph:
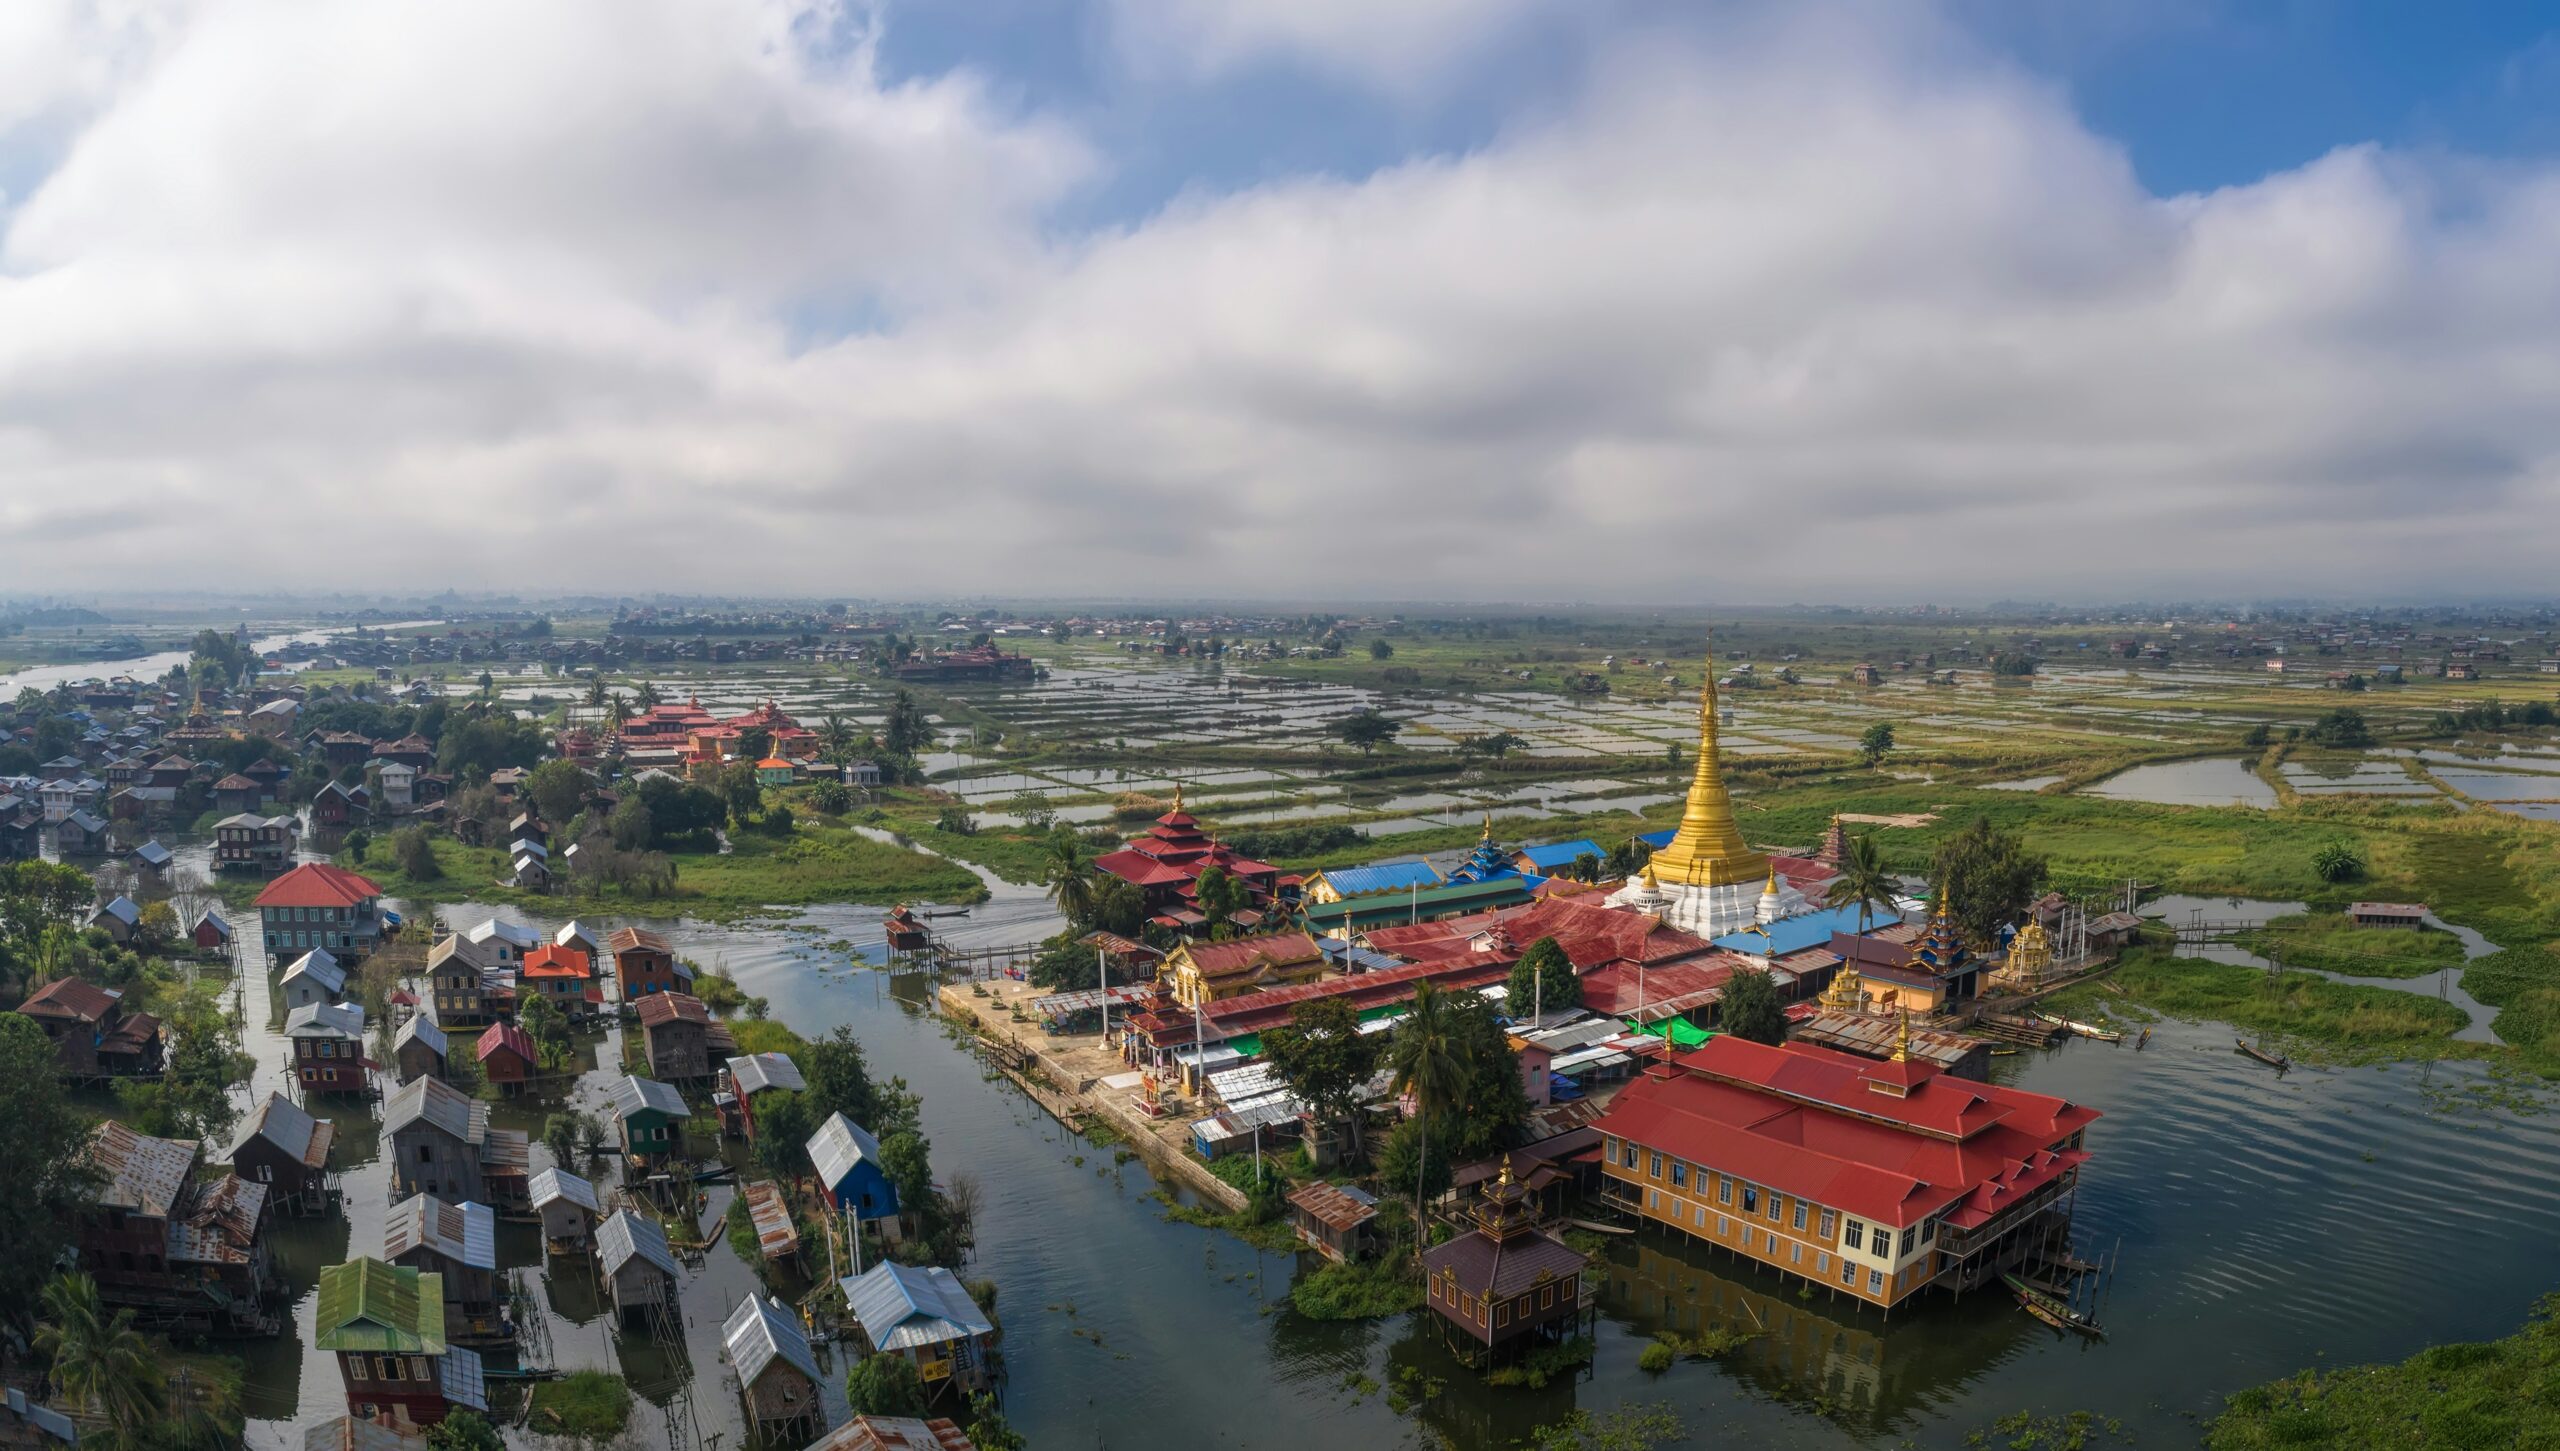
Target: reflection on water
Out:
[2219,782]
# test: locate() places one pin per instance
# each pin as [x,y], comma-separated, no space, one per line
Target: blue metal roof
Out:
[1658,839]
[1794,934]
[1551,855]
[1382,877]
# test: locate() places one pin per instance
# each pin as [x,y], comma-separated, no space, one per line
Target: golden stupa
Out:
[1708,848]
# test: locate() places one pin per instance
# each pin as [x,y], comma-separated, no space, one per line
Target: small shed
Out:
[2388,914]
[639,1269]
[748,1076]
[849,1170]
[314,977]
[777,1376]
[577,937]
[652,1116]
[210,933]
[776,1235]
[1338,1221]
[119,919]
[419,1050]
[507,1057]
[151,856]
[568,1209]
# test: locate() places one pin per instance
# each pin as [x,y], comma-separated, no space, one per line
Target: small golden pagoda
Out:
[1847,992]
[2030,958]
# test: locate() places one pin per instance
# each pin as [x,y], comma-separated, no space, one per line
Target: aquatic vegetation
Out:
[2481,1394]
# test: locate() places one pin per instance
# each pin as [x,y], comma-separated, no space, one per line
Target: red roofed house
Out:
[319,905]
[1877,1179]
[1165,866]
[92,1035]
[1624,957]
[507,1056]
[566,977]
[1205,972]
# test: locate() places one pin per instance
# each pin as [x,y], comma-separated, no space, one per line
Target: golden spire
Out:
[1847,992]
[1902,1039]
[1771,890]
[1177,797]
[1708,842]
[1488,827]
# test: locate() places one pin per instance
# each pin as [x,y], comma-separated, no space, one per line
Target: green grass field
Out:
[2309,1016]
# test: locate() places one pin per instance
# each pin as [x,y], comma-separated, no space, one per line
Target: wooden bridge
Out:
[980,962]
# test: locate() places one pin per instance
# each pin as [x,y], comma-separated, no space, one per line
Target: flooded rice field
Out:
[2218,782]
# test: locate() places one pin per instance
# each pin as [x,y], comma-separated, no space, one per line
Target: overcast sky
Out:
[1500,299]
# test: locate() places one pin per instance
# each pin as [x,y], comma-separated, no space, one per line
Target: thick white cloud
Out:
[663,297]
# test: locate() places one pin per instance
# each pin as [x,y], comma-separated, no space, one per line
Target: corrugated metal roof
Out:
[50,1421]
[464,1383]
[553,1184]
[369,1305]
[420,1029]
[466,1233]
[282,1123]
[760,1332]
[838,1147]
[326,1020]
[910,1307]
[513,933]
[633,1094]
[440,1104]
[776,1235]
[894,1433]
[625,1234]
[1381,877]
[141,1173]
[756,1072]
[319,966]
[346,1433]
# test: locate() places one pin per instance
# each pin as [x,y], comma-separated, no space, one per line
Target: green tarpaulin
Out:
[1680,1031]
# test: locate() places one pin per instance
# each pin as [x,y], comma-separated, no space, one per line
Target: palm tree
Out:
[103,1365]
[595,689]
[1071,883]
[1428,1065]
[1863,881]
[835,738]
[647,694]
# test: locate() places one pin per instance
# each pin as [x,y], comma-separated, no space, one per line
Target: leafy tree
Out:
[464,1430]
[1327,1061]
[415,854]
[2342,728]
[740,792]
[1876,744]
[2012,663]
[2256,736]
[1985,877]
[955,819]
[1585,868]
[632,826]
[103,1364]
[783,1126]
[43,1141]
[1220,895]
[1405,1165]
[907,1159]
[1365,729]
[548,1027]
[884,1385]
[839,1080]
[477,746]
[557,789]
[1863,882]
[1542,981]
[988,1429]
[2338,861]
[1750,1008]
[1381,650]
[832,797]
[1494,746]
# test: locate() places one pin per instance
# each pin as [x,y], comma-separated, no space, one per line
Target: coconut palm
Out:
[835,738]
[1070,878]
[1863,881]
[647,695]
[103,1365]
[1430,1065]
[595,690]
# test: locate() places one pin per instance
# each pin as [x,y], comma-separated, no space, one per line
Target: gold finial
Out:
[1771,890]
[1177,796]
[1505,1179]
[1902,1039]
[1650,880]
[1488,827]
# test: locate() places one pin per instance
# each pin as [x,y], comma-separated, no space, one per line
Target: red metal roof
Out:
[318,884]
[668,1007]
[71,997]
[556,961]
[509,1037]
[1888,1142]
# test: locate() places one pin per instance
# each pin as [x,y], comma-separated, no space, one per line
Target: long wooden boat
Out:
[2272,1060]
[2051,1309]
[2085,1030]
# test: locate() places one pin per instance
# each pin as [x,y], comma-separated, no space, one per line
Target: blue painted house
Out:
[849,1169]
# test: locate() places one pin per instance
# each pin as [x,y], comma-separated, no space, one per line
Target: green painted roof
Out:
[1390,908]
[367,1305]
